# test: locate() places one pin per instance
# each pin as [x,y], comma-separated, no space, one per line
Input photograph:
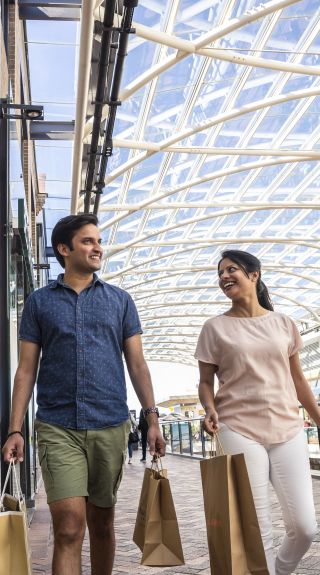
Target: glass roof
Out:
[216,145]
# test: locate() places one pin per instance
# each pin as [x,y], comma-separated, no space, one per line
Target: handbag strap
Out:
[17,486]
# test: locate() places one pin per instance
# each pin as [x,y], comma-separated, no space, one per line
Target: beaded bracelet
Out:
[151,410]
[13,432]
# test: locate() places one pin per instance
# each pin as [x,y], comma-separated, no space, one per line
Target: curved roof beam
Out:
[139,145]
[160,290]
[214,204]
[231,100]
[162,305]
[200,180]
[85,51]
[207,241]
[196,269]
[219,119]
[187,346]
[190,47]
[176,315]
[227,56]
[159,318]
[200,244]
[176,225]
[170,335]
[168,359]
[193,47]
[192,99]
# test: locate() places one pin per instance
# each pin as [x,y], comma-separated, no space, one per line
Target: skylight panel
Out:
[286,34]
[56,166]
[50,81]
[305,8]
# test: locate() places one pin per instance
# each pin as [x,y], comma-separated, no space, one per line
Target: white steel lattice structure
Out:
[216,144]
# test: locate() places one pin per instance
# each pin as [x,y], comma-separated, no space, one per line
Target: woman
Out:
[254,353]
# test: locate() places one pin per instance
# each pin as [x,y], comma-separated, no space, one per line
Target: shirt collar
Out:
[59,281]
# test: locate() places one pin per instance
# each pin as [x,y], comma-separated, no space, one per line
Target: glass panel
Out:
[196,437]
[175,438]
[185,437]
[166,431]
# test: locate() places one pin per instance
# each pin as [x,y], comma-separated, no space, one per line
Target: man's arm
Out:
[141,381]
[23,386]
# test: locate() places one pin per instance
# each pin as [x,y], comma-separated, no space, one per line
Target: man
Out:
[81,325]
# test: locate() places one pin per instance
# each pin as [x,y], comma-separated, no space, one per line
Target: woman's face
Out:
[233,280]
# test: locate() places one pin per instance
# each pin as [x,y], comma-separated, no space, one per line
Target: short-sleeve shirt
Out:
[81,380]
[256,395]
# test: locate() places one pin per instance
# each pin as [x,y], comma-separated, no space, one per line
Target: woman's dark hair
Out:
[249,263]
[65,229]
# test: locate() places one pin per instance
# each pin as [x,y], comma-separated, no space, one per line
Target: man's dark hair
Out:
[65,229]
[249,263]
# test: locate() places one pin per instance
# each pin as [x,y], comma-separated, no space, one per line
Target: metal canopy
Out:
[57,10]
[52,130]
[216,144]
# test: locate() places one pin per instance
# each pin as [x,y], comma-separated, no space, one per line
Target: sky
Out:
[168,379]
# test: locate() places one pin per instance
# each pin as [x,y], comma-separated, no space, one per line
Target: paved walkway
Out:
[187,493]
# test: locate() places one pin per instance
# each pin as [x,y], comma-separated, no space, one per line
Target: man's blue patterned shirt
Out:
[81,381]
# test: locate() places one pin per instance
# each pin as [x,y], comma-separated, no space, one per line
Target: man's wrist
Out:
[152,420]
[151,410]
[14,432]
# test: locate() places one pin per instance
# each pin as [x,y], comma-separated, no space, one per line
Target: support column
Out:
[4,296]
[5,385]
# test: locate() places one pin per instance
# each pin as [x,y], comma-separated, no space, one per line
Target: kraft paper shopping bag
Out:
[234,539]
[15,556]
[156,530]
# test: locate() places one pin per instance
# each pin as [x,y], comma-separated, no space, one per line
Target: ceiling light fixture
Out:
[23,111]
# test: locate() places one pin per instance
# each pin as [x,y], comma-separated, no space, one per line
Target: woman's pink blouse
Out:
[256,395]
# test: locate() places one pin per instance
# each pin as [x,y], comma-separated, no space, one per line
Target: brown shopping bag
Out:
[156,530]
[14,547]
[234,538]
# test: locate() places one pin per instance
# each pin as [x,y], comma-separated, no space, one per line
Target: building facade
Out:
[21,222]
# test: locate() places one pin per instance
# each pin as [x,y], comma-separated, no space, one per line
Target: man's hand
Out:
[157,445]
[13,448]
[210,422]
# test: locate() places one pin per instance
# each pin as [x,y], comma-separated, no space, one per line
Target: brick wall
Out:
[3,67]
[17,66]
[13,52]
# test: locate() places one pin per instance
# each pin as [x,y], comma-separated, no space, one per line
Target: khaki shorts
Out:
[82,463]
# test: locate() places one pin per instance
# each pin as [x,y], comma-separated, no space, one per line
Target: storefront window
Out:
[19,286]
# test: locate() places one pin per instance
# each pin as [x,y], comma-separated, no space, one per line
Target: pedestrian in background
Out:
[253,351]
[143,428]
[133,435]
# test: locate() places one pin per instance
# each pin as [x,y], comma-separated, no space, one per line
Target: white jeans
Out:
[286,465]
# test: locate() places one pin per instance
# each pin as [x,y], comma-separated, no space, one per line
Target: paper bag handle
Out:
[12,469]
[216,447]
[156,464]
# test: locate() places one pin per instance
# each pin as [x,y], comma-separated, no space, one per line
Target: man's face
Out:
[86,254]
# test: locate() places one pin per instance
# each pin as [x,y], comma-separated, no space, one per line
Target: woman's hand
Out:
[210,422]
